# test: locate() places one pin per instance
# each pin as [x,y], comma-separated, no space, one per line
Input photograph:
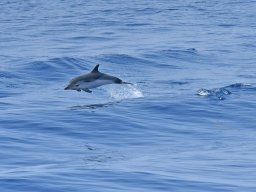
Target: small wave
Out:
[187,54]
[40,72]
[137,24]
[122,59]
[239,85]
[10,83]
[190,54]
[125,92]
[7,75]
[226,25]
[148,10]
[90,38]
[56,64]
[53,69]
[170,82]
[93,106]
[222,92]
[177,52]
[97,155]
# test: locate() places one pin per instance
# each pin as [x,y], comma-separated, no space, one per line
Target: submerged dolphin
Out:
[92,80]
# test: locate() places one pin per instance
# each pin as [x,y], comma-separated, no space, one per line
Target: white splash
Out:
[124,92]
[203,92]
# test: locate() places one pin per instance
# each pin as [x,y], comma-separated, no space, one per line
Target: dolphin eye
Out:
[76,85]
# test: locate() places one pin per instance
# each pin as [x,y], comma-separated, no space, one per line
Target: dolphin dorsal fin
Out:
[96,69]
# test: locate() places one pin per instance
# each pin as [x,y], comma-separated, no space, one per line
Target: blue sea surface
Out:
[187,124]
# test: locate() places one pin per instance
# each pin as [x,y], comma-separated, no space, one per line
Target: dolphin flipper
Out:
[87,90]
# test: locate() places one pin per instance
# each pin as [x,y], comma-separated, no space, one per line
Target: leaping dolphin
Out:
[92,80]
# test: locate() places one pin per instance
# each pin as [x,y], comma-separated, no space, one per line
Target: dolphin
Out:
[92,80]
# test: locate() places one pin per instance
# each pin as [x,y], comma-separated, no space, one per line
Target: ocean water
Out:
[187,124]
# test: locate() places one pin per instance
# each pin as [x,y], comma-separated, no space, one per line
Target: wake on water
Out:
[116,95]
[125,92]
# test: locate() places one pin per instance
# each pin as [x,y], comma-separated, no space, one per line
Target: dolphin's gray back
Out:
[87,77]
[92,77]
[104,76]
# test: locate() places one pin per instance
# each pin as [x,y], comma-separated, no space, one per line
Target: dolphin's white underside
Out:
[92,84]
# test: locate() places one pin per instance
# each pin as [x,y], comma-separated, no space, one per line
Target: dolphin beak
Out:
[66,88]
